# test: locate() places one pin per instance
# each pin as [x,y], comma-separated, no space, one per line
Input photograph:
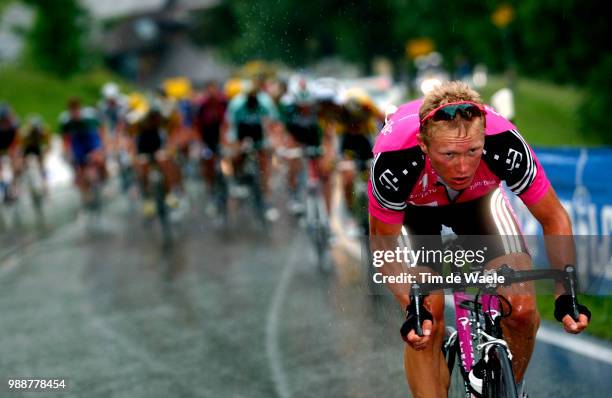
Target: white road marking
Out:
[272,326]
[574,344]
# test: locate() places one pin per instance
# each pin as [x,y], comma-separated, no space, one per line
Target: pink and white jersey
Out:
[402,174]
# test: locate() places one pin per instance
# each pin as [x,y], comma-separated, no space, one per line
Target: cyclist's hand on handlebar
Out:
[417,342]
[408,330]
[571,326]
[563,311]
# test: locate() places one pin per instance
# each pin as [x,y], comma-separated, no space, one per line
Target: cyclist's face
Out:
[455,152]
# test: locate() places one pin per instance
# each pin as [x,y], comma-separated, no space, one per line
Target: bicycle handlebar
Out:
[567,276]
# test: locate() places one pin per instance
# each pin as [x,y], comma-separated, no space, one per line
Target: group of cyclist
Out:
[170,126]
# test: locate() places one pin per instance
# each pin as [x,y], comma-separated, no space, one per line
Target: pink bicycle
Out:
[478,334]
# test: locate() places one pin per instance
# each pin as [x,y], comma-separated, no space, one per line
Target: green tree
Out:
[298,32]
[456,28]
[57,39]
[215,26]
[561,40]
[594,113]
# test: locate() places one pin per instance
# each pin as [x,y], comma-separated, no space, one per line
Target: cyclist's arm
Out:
[271,112]
[560,249]
[67,146]
[383,238]
[391,182]
[271,119]
[557,228]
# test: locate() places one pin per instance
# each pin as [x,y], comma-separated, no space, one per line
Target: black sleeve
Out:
[393,176]
[509,157]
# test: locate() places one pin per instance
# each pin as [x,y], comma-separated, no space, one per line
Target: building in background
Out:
[142,40]
[147,45]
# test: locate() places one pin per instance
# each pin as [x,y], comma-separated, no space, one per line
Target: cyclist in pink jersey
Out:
[439,162]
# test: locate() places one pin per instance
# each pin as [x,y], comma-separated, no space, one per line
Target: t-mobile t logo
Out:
[514,159]
[388,180]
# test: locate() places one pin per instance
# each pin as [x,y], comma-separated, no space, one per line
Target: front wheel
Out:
[499,378]
[158,183]
[220,195]
[318,228]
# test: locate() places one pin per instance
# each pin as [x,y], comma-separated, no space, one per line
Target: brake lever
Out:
[416,296]
[571,286]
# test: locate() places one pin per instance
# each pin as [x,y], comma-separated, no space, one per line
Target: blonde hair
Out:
[445,93]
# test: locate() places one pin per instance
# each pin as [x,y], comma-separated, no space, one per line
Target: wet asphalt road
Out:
[238,314]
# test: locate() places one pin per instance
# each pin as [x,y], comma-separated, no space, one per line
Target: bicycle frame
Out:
[463,320]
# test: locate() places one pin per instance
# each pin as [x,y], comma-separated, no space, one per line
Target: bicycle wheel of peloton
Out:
[221,196]
[258,198]
[322,235]
[499,378]
[158,182]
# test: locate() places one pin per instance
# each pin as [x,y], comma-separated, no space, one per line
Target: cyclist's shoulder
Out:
[503,140]
[267,105]
[400,130]
[407,161]
[265,99]
[236,103]
[394,175]
[496,123]
[508,155]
